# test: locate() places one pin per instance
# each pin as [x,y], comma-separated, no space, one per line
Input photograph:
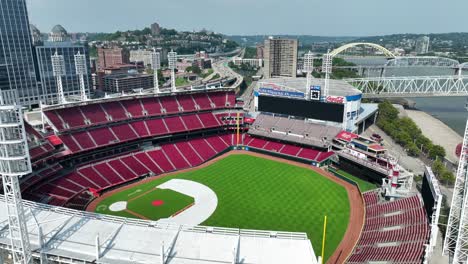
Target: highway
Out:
[221,67]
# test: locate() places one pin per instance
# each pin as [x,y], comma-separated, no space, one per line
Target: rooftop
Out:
[72,234]
[337,87]
[58,29]
[127,76]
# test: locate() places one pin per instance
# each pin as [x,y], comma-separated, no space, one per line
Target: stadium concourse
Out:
[91,148]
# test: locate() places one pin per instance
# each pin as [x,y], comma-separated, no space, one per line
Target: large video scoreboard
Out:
[301,108]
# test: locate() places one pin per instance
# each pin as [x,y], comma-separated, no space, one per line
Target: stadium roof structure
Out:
[71,236]
[336,87]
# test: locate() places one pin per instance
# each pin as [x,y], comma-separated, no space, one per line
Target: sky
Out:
[255,17]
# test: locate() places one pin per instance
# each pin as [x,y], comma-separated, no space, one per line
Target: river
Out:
[450,110]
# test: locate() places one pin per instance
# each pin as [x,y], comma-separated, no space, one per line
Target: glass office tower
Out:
[16,51]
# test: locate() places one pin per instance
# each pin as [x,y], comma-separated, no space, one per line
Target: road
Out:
[221,67]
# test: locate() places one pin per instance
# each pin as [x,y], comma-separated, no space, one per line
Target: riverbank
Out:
[437,131]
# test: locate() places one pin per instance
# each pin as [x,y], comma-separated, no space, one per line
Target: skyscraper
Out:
[280,57]
[16,50]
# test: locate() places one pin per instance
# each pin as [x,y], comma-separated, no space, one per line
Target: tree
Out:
[423,142]
[438,167]
[387,111]
[196,69]
[448,177]
[437,151]
[413,150]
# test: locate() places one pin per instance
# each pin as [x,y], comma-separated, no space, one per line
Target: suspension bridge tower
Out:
[456,237]
[15,162]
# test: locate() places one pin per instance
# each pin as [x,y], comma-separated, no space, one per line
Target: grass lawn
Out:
[363,184]
[181,82]
[256,193]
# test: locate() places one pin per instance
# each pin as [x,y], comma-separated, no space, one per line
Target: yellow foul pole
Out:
[238,128]
[323,240]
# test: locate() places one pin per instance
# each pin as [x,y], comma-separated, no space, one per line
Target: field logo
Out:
[101,208]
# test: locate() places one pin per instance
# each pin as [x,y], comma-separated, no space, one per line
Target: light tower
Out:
[81,71]
[327,69]
[15,162]
[456,236]
[58,69]
[156,65]
[308,68]
[172,59]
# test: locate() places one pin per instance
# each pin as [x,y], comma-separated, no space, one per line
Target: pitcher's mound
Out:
[157,202]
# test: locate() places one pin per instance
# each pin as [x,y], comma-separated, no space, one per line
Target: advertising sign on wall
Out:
[282,93]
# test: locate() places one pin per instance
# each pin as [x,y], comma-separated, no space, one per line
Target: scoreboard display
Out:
[301,108]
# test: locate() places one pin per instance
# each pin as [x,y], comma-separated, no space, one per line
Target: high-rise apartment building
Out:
[280,57]
[16,52]
[155,29]
[422,45]
[110,57]
[260,50]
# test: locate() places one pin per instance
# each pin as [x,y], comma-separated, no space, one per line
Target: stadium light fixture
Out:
[156,65]
[327,69]
[81,70]
[172,58]
[308,68]
[58,70]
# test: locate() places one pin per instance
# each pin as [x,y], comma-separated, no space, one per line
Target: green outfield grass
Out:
[364,185]
[256,193]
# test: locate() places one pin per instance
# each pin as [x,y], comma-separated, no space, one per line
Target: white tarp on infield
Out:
[205,201]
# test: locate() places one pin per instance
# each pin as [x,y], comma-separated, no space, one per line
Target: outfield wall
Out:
[284,156]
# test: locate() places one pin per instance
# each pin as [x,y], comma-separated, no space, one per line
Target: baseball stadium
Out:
[201,176]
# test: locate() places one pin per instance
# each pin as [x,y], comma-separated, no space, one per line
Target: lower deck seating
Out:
[166,158]
[105,174]
[394,232]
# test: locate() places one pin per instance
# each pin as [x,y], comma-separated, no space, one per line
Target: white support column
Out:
[327,69]
[41,105]
[58,70]
[308,68]
[156,65]
[456,238]
[172,58]
[15,162]
[235,257]
[81,70]
[163,261]
[98,248]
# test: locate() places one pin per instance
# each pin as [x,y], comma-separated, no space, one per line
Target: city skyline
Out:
[365,18]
